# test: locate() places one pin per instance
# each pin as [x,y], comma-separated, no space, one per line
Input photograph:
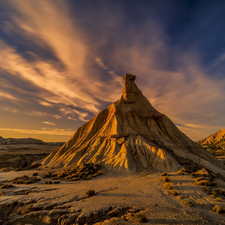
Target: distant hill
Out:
[12,141]
[216,140]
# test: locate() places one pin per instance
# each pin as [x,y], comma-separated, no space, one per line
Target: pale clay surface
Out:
[143,191]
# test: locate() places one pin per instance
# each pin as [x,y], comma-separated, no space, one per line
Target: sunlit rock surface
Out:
[214,140]
[131,135]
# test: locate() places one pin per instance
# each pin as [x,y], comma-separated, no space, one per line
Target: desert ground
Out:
[21,155]
[116,200]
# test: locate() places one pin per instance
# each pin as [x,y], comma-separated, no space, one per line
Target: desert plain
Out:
[118,197]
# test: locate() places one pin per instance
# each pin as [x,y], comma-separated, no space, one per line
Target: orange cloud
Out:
[186,94]
[49,123]
[42,131]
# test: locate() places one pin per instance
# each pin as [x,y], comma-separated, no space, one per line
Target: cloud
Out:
[49,123]
[72,113]
[68,78]
[9,109]
[42,131]
[79,77]
[8,96]
[57,116]
[185,92]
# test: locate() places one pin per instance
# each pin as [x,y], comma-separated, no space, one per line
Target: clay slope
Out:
[131,135]
[215,140]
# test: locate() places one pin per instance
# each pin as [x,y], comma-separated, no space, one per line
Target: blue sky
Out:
[62,62]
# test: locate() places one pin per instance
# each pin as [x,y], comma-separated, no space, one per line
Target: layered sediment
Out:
[131,135]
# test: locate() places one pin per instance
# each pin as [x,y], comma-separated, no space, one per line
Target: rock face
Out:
[131,135]
[12,141]
[215,140]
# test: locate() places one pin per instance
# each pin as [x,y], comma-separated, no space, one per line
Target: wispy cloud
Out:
[72,113]
[8,96]
[42,131]
[49,123]
[9,109]
[68,80]
[80,76]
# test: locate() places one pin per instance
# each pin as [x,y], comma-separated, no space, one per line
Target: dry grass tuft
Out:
[167,185]
[207,190]
[140,218]
[48,182]
[5,186]
[23,210]
[164,174]
[187,202]
[218,209]
[218,199]
[180,172]
[174,192]
[56,181]
[25,180]
[90,193]
[85,172]
[205,182]
[165,179]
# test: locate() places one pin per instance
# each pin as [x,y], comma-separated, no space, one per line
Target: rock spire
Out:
[131,135]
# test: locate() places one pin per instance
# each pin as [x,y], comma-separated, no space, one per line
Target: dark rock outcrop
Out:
[12,141]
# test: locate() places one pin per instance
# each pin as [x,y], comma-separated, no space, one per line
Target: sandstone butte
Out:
[217,139]
[130,135]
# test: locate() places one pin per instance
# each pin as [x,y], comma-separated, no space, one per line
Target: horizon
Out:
[63,62]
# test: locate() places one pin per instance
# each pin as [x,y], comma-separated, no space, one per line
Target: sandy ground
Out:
[26,149]
[117,197]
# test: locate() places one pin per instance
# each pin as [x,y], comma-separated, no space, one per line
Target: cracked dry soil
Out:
[117,199]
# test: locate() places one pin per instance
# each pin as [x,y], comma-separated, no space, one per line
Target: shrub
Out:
[198,179]
[201,182]
[194,174]
[89,177]
[218,192]
[167,185]
[35,174]
[90,193]
[99,172]
[23,210]
[48,182]
[218,209]
[164,174]
[165,179]
[28,182]
[5,186]
[187,202]
[140,218]
[207,190]
[174,192]
[218,199]
[180,172]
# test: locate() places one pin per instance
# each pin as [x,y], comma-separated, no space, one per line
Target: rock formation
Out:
[216,140]
[131,135]
[13,141]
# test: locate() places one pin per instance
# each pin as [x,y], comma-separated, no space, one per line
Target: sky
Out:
[63,61]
